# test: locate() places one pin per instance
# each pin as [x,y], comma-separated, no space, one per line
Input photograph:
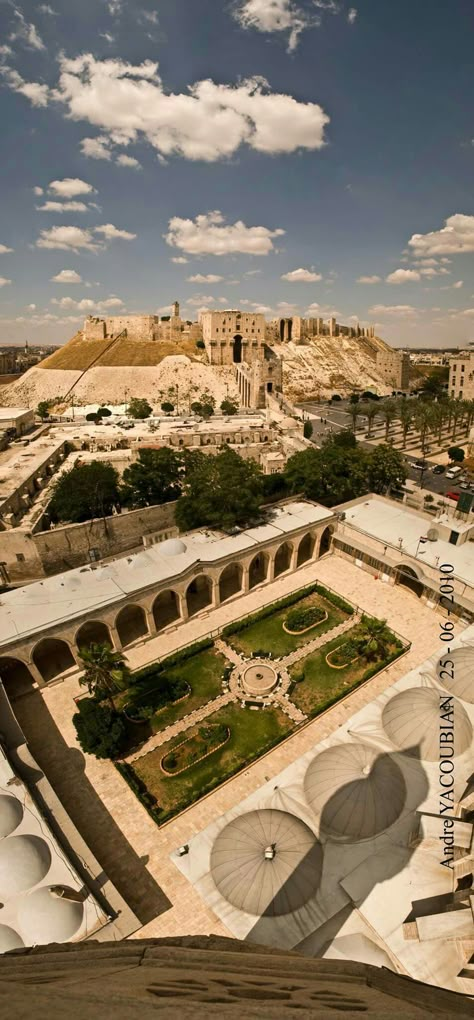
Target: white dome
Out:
[24,861]
[412,721]
[272,885]
[9,939]
[172,547]
[358,791]
[45,918]
[358,948]
[461,683]
[11,814]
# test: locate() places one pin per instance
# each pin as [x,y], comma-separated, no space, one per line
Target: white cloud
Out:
[67,239]
[38,191]
[302,276]
[4,282]
[403,276]
[369,279]
[26,32]
[209,234]
[398,311]
[31,308]
[274,16]
[456,237]
[115,8]
[87,304]
[352,15]
[47,9]
[252,272]
[60,207]
[179,260]
[458,284]
[429,262]
[209,122]
[124,160]
[199,278]
[37,94]
[67,276]
[96,148]
[111,233]
[4,250]
[151,16]
[108,37]
[69,187]
[201,300]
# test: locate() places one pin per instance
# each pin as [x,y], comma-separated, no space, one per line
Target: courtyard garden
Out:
[243,735]
[280,628]
[330,672]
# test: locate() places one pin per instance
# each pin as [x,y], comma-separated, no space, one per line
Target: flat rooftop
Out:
[6,413]
[389,522]
[66,596]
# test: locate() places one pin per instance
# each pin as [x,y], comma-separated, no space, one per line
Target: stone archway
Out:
[230,581]
[283,559]
[305,549]
[131,624]
[258,570]
[237,349]
[52,657]
[408,577]
[199,594]
[93,632]
[325,543]
[15,677]
[165,609]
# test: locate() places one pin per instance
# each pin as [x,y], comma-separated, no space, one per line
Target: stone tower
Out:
[176,310]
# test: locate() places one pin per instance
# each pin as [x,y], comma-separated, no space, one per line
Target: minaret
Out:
[176,310]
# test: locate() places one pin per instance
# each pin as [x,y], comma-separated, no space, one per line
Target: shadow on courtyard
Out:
[64,768]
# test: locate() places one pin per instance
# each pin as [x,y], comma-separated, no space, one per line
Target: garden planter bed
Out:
[304,630]
[195,761]
[343,665]
[156,711]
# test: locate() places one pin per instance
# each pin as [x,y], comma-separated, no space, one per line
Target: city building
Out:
[19,419]
[461,376]
[236,338]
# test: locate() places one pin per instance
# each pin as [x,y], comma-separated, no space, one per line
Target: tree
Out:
[138,407]
[167,407]
[345,439]
[434,385]
[385,468]
[200,344]
[307,430]
[43,409]
[456,453]
[104,412]
[369,410]
[388,410]
[153,479]
[354,398]
[219,491]
[100,731]
[229,407]
[86,491]
[105,672]
[405,414]
[93,416]
[330,475]
[354,411]
[373,638]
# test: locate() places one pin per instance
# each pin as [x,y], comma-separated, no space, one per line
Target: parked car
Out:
[419,465]
[439,469]
[452,495]
[466,483]
[453,472]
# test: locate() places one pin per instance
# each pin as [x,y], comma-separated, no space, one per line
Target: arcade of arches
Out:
[51,658]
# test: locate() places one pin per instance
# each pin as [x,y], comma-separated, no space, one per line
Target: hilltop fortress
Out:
[229,353]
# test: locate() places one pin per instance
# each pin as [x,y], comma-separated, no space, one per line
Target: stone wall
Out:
[51,552]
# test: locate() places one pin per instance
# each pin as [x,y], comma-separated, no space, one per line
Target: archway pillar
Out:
[183,608]
[36,673]
[150,621]
[215,595]
[294,557]
[271,567]
[245,579]
[114,637]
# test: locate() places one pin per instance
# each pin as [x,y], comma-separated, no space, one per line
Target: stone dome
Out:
[412,721]
[267,863]
[9,939]
[11,814]
[24,861]
[45,918]
[358,791]
[172,547]
[461,683]
[359,948]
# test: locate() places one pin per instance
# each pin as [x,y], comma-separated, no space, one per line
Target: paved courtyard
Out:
[166,902]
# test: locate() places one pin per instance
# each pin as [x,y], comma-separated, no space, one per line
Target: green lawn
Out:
[321,682]
[252,733]
[203,672]
[268,634]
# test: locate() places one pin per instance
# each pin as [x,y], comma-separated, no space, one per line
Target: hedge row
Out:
[149,672]
[289,600]
[140,790]
[371,671]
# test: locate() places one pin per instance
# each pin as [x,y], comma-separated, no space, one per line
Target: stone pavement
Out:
[135,851]
[181,725]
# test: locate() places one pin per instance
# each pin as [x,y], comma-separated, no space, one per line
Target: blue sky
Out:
[313,156]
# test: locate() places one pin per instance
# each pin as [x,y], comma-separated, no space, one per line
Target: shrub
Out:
[289,600]
[200,344]
[100,731]
[307,430]
[300,619]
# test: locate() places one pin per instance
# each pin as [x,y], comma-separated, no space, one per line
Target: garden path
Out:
[311,646]
[181,725]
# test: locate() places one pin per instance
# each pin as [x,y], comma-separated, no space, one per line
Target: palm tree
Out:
[388,410]
[405,414]
[423,420]
[373,638]
[370,410]
[105,671]
[354,411]
[457,415]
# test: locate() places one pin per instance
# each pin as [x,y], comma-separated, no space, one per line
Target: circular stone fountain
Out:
[259,678]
